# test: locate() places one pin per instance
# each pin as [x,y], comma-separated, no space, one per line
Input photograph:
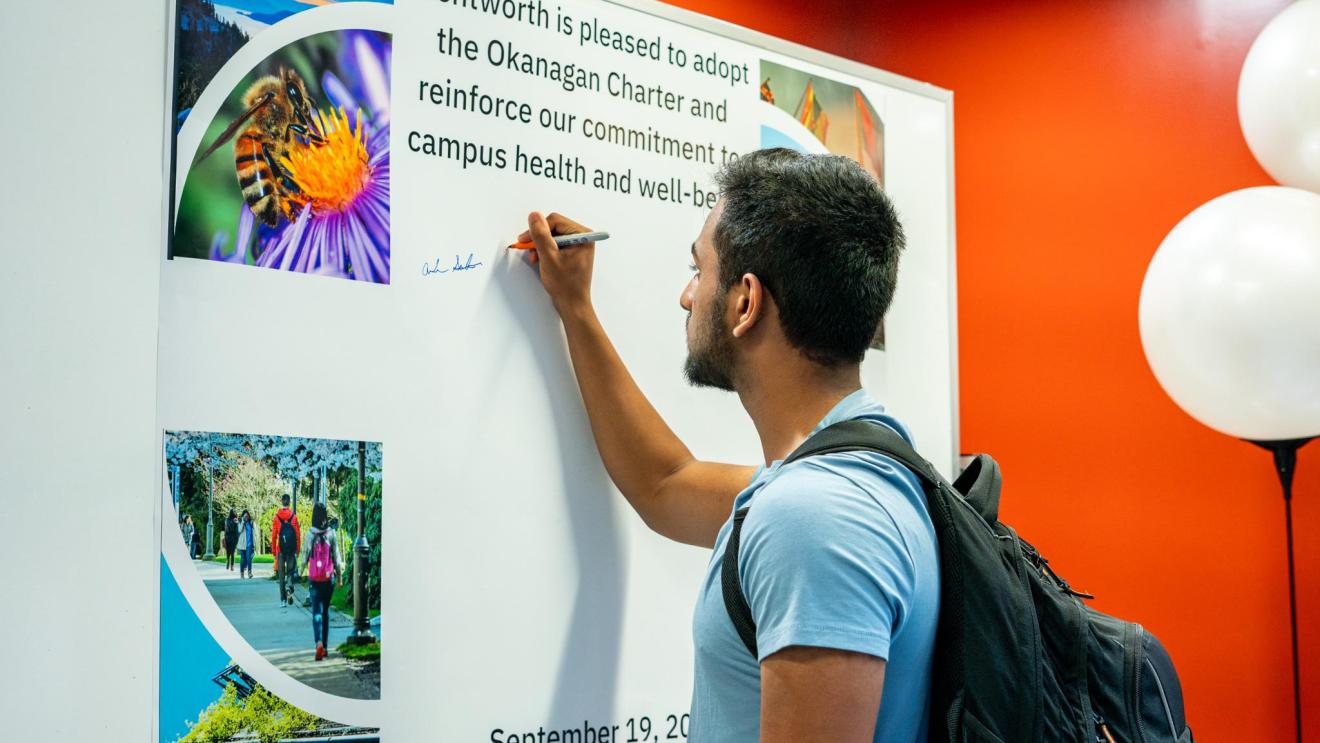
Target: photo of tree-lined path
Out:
[221,481]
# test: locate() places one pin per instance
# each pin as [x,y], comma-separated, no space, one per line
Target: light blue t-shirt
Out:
[837,551]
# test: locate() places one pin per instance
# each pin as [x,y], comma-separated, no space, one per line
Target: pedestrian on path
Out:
[246,544]
[187,528]
[231,538]
[286,541]
[320,556]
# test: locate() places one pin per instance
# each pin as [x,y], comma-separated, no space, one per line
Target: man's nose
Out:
[685,298]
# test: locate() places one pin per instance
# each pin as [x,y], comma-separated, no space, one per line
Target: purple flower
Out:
[245,222]
[343,227]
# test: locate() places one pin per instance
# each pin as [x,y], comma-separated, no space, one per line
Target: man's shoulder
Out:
[842,475]
[817,498]
[840,497]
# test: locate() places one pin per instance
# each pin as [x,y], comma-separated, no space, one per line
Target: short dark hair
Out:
[823,238]
[284,499]
[318,515]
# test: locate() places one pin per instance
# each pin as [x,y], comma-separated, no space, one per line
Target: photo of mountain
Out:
[206,35]
[253,16]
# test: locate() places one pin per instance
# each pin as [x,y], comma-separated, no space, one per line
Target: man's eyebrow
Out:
[694,249]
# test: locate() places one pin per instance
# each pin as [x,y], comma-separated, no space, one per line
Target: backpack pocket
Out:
[1159,697]
[974,732]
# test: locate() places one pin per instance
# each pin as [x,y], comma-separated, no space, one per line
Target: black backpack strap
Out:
[740,613]
[860,435]
[852,435]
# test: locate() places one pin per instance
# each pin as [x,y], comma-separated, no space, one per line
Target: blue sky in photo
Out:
[771,137]
[254,15]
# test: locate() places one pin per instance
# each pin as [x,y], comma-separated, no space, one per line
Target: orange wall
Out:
[1084,131]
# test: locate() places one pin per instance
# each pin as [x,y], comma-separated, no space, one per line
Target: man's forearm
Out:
[676,495]
[638,448]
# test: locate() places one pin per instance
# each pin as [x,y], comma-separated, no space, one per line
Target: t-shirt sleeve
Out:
[823,563]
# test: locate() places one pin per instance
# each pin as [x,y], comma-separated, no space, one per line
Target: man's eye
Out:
[692,267]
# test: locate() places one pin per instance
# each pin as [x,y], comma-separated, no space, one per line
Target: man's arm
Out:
[830,579]
[820,694]
[675,494]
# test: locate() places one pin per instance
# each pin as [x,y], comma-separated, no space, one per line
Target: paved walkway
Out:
[283,635]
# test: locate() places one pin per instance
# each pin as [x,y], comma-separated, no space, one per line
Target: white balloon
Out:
[1279,96]
[1230,313]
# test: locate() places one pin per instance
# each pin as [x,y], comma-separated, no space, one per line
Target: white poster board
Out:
[521,596]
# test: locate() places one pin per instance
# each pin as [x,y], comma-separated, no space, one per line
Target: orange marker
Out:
[565,241]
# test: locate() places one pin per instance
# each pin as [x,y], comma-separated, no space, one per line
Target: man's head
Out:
[284,499]
[813,232]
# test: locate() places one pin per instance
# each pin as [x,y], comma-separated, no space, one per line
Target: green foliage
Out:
[192,501]
[347,498]
[263,528]
[262,714]
[370,651]
[342,600]
[243,482]
[256,559]
[200,53]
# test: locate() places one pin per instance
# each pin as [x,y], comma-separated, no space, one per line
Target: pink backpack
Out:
[320,567]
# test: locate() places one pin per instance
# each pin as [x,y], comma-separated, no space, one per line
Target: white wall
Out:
[78,303]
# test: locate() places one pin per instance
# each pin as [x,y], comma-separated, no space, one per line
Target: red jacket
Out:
[284,514]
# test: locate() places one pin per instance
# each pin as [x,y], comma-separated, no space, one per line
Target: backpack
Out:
[320,567]
[288,537]
[1018,657]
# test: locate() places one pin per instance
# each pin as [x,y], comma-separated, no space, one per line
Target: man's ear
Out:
[749,304]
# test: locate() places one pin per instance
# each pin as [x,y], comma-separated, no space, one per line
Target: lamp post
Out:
[174,487]
[1227,318]
[1228,305]
[210,496]
[316,498]
[1285,464]
[361,634]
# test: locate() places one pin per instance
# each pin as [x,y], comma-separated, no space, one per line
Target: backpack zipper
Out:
[1102,733]
[1043,564]
[1159,685]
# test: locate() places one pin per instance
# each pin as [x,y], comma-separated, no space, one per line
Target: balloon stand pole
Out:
[1285,463]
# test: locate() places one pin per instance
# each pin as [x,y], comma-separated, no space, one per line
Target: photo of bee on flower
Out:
[294,174]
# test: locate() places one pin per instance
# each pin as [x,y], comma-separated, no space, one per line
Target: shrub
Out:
[262,714]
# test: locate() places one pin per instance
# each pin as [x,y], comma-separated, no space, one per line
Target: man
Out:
[286,541]
[793,271]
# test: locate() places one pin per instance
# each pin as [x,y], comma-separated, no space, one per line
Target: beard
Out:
[710,356]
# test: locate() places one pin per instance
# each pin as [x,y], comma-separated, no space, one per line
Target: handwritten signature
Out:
[429,269]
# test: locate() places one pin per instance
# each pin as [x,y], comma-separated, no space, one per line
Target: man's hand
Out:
[565,274]
[674,493]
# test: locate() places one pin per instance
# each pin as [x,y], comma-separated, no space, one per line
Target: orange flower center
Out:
[331,174]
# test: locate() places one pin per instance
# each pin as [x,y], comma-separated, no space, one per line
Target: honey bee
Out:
[278,117]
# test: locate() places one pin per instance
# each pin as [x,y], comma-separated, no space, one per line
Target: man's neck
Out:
[787,403]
